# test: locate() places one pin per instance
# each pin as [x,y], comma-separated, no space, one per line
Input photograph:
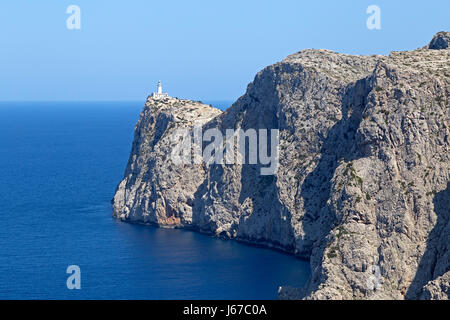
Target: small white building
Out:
[159,94]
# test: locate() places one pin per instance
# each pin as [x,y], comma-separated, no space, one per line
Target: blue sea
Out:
[59,167]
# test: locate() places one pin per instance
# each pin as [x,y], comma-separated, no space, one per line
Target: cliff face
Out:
[154,189]
[362,187]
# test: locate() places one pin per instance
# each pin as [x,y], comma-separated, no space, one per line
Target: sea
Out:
[60,163]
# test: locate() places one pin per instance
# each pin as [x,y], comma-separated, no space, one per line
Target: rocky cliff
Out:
[362,186]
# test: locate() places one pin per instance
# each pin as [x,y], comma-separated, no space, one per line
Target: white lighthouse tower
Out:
[159,87]
[159,94]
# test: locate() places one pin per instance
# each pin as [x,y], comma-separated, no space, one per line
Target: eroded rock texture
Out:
[362,188]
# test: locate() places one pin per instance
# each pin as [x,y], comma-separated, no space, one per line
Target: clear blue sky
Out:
[205,50]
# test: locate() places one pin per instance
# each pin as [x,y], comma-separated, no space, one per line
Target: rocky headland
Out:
[362,186]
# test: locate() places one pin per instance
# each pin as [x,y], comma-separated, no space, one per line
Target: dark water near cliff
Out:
[59,166]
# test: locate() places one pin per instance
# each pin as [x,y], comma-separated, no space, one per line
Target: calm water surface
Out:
[59,166]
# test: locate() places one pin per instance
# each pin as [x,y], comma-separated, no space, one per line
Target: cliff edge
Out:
[362,185]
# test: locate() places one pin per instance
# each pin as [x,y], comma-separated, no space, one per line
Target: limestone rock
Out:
[440,41]
[362,188]
[154,189]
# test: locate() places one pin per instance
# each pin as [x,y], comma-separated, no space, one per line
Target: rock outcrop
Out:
[154,189]
[362,187]
[440,41]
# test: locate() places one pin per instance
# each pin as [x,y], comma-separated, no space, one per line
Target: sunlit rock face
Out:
[362,186]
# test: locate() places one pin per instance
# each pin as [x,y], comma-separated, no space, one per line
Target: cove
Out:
[59,164]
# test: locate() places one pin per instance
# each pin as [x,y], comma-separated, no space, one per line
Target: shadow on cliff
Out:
[269,223]
[339,144]
[426,270]
[266,221]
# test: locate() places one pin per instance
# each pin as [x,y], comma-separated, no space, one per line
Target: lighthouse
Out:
[159,87]
[159,94]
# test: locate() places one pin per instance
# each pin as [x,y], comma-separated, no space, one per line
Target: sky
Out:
[200,49]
